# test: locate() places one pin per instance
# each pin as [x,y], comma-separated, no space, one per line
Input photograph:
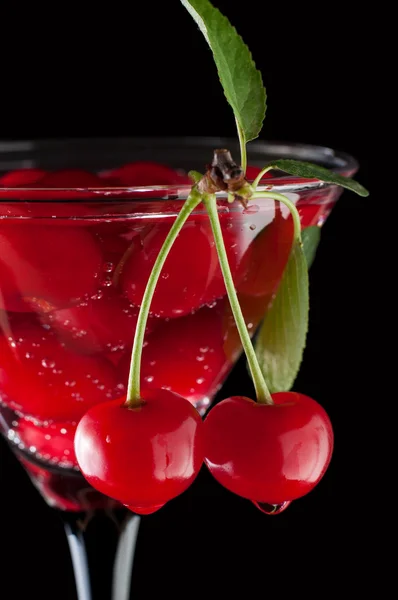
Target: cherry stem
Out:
[242,144]
[133,390]
[262,392]
[291,206]
[260,176]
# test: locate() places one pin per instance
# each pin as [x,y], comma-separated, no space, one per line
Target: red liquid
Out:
[70,291]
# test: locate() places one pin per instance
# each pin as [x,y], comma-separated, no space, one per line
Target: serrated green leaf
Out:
[310,237]
[282,336]
[242,82]
[310,171]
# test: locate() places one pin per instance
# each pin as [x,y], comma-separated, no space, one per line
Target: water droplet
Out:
[47,437]
[63,430]
[108,439]
[47,363]
[165,275]
[200,358]
[107,283]
[152,363]
[28,355]
[272,509]
[205,367]
[108,267]
[204,349]
[149,379]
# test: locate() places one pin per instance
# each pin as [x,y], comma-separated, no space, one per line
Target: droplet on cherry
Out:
[272,509]
[144,510]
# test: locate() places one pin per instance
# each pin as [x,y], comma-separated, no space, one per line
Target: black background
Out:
[149,72]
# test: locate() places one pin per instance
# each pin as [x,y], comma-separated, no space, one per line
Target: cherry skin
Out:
[143,173]
[52,442]
[38,262]
[184,355]
[268,453]
[142,456]
[191,275]
[22,177]
[104,323]
[39,377]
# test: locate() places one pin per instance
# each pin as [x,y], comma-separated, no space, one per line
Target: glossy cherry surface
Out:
[141,456]
[268,453]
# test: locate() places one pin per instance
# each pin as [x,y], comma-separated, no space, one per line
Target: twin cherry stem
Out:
[204,191]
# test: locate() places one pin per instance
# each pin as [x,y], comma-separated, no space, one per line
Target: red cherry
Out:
[144,510]
[105,322]
[143,173]
[40,262]
[268,453]
[22,177]
[268,255]
[52,442]
[185,356]
[142,456]
[41,378]
[191,276]
[70,178]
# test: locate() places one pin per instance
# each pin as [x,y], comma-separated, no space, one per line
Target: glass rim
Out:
[344,164]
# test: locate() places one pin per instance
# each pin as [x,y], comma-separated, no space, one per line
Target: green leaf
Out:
[282,336]
[310,236]
[242,82]
[310,171]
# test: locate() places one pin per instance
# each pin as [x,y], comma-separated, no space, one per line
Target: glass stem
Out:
[133,391]
[78,554]
[262,392]
[103,571]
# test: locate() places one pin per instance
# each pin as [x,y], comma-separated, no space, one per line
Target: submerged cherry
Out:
[103,322]
[268,453]
[142,173]
[193,255]
[41,378]
[185,356]
[22,177]
[41,263]
[51,442]
[143,455]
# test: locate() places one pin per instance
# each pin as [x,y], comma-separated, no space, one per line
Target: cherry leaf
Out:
[310,236]
[242,82]
[281,339]
[310,171]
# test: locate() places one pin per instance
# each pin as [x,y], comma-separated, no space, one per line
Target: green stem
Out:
[260,176]
[286,202]
[133,391]
[242,144]
[262,392]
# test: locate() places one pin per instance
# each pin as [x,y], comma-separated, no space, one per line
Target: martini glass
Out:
[81,222]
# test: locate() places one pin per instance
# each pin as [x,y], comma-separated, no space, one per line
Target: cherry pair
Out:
[145,455]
